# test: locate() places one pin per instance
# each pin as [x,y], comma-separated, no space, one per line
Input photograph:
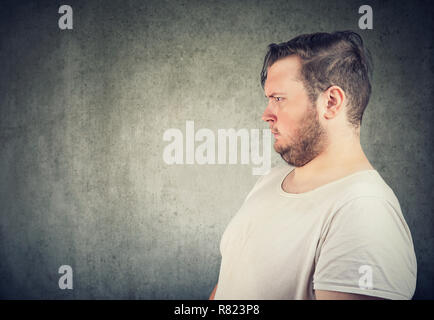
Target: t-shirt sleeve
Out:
[367,249]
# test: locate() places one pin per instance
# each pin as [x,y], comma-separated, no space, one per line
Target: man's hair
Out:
[339,58]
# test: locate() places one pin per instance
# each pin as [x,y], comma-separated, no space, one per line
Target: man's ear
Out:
[334,101]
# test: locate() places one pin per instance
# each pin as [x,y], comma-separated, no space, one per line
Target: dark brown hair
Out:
[339,58]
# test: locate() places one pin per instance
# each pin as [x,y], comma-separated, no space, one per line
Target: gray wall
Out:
[83,111]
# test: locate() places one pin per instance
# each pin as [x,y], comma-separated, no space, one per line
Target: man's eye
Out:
[278,98]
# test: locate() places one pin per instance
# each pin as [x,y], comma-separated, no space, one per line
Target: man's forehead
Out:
[288,67]
[282,74]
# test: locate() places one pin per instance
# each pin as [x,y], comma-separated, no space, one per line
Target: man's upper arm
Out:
[367,250]
[336,295]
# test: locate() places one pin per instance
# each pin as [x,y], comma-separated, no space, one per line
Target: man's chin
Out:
[281,152]
[285,155]
[278,148]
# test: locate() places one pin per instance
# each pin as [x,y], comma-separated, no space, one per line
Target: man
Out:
[327,226]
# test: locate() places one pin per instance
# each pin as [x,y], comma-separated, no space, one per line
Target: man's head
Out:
[318,86]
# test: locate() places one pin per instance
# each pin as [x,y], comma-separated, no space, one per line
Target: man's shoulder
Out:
[369,184]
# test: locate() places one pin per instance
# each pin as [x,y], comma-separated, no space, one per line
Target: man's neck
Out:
[337,160]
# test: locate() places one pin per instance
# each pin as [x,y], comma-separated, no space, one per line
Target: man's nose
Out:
[268,114]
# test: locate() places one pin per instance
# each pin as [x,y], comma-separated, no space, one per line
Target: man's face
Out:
[299,136]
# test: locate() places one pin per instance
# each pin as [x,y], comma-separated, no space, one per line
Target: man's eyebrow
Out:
[275,94]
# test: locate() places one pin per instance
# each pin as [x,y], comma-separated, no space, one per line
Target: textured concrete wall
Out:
[83,112]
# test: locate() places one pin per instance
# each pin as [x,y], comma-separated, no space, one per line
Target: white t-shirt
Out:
[348,235]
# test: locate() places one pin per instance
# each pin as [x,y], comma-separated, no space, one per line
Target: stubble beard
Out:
[310,140]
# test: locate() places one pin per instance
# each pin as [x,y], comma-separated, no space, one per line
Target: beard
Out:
[310,140]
